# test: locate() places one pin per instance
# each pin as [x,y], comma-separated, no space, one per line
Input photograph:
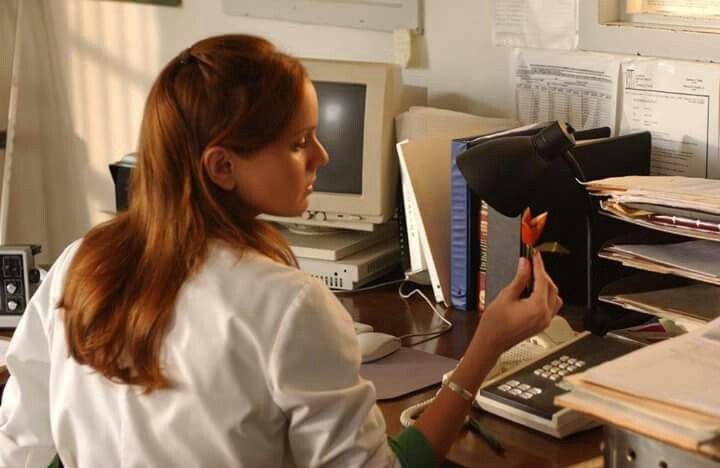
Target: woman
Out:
[180,333]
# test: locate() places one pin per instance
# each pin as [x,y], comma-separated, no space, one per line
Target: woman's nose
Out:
[321,155]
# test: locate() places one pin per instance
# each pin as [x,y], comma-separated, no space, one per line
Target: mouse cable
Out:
[434,333]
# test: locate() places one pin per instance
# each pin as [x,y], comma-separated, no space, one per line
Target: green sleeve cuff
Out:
[412,449]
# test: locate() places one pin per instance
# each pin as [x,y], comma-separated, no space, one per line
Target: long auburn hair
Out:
[234,91]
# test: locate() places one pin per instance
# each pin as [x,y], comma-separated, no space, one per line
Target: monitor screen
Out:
[340,129]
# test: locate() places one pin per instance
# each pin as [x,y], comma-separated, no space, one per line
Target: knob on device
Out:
[18,280]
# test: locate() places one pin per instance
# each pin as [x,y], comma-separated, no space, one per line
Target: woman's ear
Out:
[218,164]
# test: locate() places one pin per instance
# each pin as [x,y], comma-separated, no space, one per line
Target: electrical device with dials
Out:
[18,280]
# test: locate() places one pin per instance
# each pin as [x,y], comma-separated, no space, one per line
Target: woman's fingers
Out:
[545,291]
[542,288]
[521,279]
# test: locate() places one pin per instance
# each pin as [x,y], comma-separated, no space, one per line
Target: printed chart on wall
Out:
[678,103]
[579,88]
[536,23]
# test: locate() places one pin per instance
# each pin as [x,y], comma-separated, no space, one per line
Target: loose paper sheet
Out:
[546,24]
[665,296]
[691,193]
[676,187]
[683,371]
[678,103]
[692,257]
[579,88]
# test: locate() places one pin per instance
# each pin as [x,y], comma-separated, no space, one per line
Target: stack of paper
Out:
[695,259]
[679,205]
[688,302]
[685,206]
[668,391]
[649,332]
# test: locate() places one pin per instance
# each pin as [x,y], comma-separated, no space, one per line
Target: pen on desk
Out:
[494,444]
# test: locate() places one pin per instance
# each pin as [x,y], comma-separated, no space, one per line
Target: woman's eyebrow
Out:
[304,130]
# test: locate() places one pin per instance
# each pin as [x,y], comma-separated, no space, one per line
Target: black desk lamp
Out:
[501,172]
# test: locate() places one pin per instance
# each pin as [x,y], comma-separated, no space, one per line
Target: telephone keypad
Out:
[558,368]
[534,388]
[523,391]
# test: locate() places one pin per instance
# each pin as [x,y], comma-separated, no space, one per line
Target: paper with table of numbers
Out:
[578,88]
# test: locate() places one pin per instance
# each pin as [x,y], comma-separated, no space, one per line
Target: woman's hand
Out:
[511,319]
[507,321]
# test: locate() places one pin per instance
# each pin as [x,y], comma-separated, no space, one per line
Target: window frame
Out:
[604,26]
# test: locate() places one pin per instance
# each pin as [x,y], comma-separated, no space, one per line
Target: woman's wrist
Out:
[486,341]
[479,358]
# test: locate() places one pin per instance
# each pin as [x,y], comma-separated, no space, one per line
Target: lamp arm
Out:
[589,216]
[574,166]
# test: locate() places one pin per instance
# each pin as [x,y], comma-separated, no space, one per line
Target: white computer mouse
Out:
[362,328]
[376,345]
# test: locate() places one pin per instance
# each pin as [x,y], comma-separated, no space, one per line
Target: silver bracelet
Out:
[464,393]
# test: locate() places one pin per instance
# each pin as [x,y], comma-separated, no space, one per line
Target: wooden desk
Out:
[387,312]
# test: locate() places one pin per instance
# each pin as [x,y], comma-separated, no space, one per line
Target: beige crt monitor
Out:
[357,105]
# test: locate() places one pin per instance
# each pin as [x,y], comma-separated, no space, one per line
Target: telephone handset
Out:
[557,333]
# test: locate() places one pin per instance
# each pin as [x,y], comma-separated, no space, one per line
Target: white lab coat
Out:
[264,364]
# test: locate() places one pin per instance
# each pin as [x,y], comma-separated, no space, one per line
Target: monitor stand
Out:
[333,244]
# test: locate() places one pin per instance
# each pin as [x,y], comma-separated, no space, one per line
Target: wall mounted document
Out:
[385,15]
[678,103]
[579,88]
[536,23]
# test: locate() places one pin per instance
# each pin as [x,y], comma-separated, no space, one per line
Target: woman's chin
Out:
[295,213]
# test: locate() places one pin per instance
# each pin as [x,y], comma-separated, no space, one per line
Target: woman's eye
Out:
[300,145]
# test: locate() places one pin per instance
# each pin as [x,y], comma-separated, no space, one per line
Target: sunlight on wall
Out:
[87,69]
[113,54]
[8,15]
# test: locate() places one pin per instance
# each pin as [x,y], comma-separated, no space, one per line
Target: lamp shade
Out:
[503,171]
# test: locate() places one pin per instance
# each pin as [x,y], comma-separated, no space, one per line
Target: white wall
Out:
[87,66]
[7,38]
